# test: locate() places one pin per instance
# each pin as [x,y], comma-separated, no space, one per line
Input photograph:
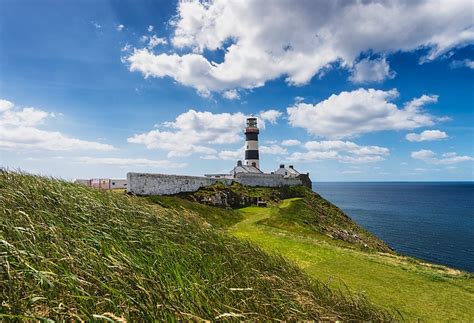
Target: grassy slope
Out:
[69,252]
[314,214]
[220,218]
[311,214]
[416,290]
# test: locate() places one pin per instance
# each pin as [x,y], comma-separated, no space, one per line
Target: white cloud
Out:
[232,154]
[366,70]
[196,132]
[138,162]
[300,40]
[270,115]
[5,105]
[429,156]
[126,48]
[150,28]
[351,172]
[155,41]
[423,154]
[96,25]
[19,130]
[239,154]
[360,111]
[427,135]
[342,151]
[291,142]
[119,27]
[193,132]
[23,117]
[231,94]
[469,63]
[273,150]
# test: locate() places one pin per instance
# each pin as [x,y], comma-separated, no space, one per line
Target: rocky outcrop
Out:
[237,195]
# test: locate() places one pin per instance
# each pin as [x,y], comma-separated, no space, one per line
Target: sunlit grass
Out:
[417,290]
[69,252]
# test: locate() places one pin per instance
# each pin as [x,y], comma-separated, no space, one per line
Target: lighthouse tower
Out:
[251,143]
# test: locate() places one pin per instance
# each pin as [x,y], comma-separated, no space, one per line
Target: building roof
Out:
[245,169]
[289,171]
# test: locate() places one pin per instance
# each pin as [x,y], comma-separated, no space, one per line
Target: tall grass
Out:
[69,252]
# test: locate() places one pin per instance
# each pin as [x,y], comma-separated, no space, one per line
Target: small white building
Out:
[287,171]
[103,183]
[239,169]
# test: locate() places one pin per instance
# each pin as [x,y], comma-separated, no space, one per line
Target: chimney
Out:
[282,165]
[291,166]
[239,163]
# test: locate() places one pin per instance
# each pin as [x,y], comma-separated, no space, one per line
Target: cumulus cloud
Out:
[119,27]
[300,41]
[423,154]
[430,157]
[366,71]
[193,132]
[19,129]
[342,151]
[155,41]
[137,162]
[199,132]
[427,135]
[150,28]
[237,154]
[5,105]
[270,115]
[231,94]
[291,142]
[273,150]
[361,111]
[469,63]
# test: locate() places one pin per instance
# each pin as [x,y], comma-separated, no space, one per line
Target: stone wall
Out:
[161,184]
[266,180]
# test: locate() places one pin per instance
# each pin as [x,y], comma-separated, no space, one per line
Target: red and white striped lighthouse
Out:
[251,143]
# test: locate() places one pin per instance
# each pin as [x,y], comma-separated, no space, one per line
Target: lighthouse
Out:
[251,143]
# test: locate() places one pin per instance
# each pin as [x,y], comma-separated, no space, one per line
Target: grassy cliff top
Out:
[309,214]
[69,252]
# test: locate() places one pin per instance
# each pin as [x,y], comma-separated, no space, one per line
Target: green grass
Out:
[313,214]
[417,290]
[69,252]
[220,218]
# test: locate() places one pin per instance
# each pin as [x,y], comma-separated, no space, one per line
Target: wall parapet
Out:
[163,184]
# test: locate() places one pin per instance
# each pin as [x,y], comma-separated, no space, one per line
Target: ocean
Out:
[433,221]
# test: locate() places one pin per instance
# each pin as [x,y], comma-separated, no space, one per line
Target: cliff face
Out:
[311,213]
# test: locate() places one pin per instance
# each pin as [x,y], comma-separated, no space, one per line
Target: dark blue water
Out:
[433,221]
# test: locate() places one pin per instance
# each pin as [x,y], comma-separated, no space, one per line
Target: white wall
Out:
[118,183]
[161,184]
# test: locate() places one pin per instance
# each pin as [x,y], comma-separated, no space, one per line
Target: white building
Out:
[287,171]
[103,183]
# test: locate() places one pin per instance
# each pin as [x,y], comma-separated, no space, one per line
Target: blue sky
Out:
[371,91]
